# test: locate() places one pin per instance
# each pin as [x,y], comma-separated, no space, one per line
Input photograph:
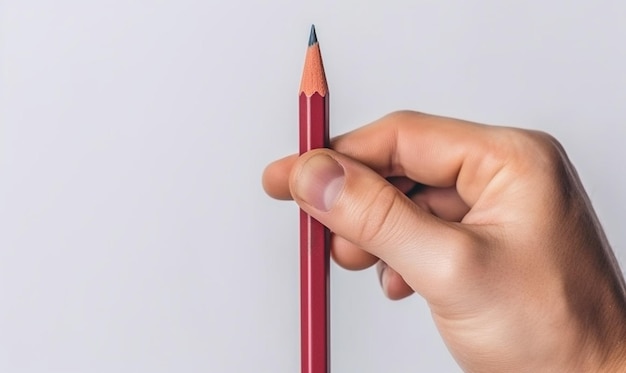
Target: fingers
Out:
[276,177]
[363,208]
[444,203]
[350,256]
[391,282]
[371,217]
[435,151]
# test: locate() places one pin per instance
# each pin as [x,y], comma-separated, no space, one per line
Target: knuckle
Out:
[547,146]
[541,168]
[403,115]
[524,152]
[538,148]
[377,214]
[552,163]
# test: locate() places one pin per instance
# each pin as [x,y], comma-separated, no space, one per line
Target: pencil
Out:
[314,237]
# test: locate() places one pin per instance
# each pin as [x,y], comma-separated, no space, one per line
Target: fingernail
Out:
[385,283]
[380,267]
[383,276]
[320,181]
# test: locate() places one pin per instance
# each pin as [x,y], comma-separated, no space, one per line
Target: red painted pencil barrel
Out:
[314,250]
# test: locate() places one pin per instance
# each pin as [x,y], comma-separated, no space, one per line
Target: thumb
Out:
[358,204]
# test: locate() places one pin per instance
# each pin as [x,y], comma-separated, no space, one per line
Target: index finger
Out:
[432,150]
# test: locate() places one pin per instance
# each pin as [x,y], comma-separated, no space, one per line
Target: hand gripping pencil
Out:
[314,237]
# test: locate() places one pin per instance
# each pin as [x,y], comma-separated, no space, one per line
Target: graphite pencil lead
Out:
[313,36]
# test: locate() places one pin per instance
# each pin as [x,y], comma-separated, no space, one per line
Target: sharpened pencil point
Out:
[313,36]
[313,77]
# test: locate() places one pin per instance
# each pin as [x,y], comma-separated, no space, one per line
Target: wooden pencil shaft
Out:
[314,250]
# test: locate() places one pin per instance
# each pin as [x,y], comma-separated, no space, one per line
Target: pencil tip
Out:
[313,36]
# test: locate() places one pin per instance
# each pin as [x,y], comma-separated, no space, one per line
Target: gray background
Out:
[134,233]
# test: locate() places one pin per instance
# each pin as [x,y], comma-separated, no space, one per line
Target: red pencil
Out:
[314,237]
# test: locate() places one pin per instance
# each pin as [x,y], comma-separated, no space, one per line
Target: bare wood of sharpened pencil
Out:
[313,76]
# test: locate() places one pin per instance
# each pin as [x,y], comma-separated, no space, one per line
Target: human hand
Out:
[500,237]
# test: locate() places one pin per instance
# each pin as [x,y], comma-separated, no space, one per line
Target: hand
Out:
[500,237]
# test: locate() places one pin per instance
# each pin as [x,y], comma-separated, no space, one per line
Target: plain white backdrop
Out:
[134,233]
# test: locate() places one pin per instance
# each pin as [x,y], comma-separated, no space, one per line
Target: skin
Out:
[499,237]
